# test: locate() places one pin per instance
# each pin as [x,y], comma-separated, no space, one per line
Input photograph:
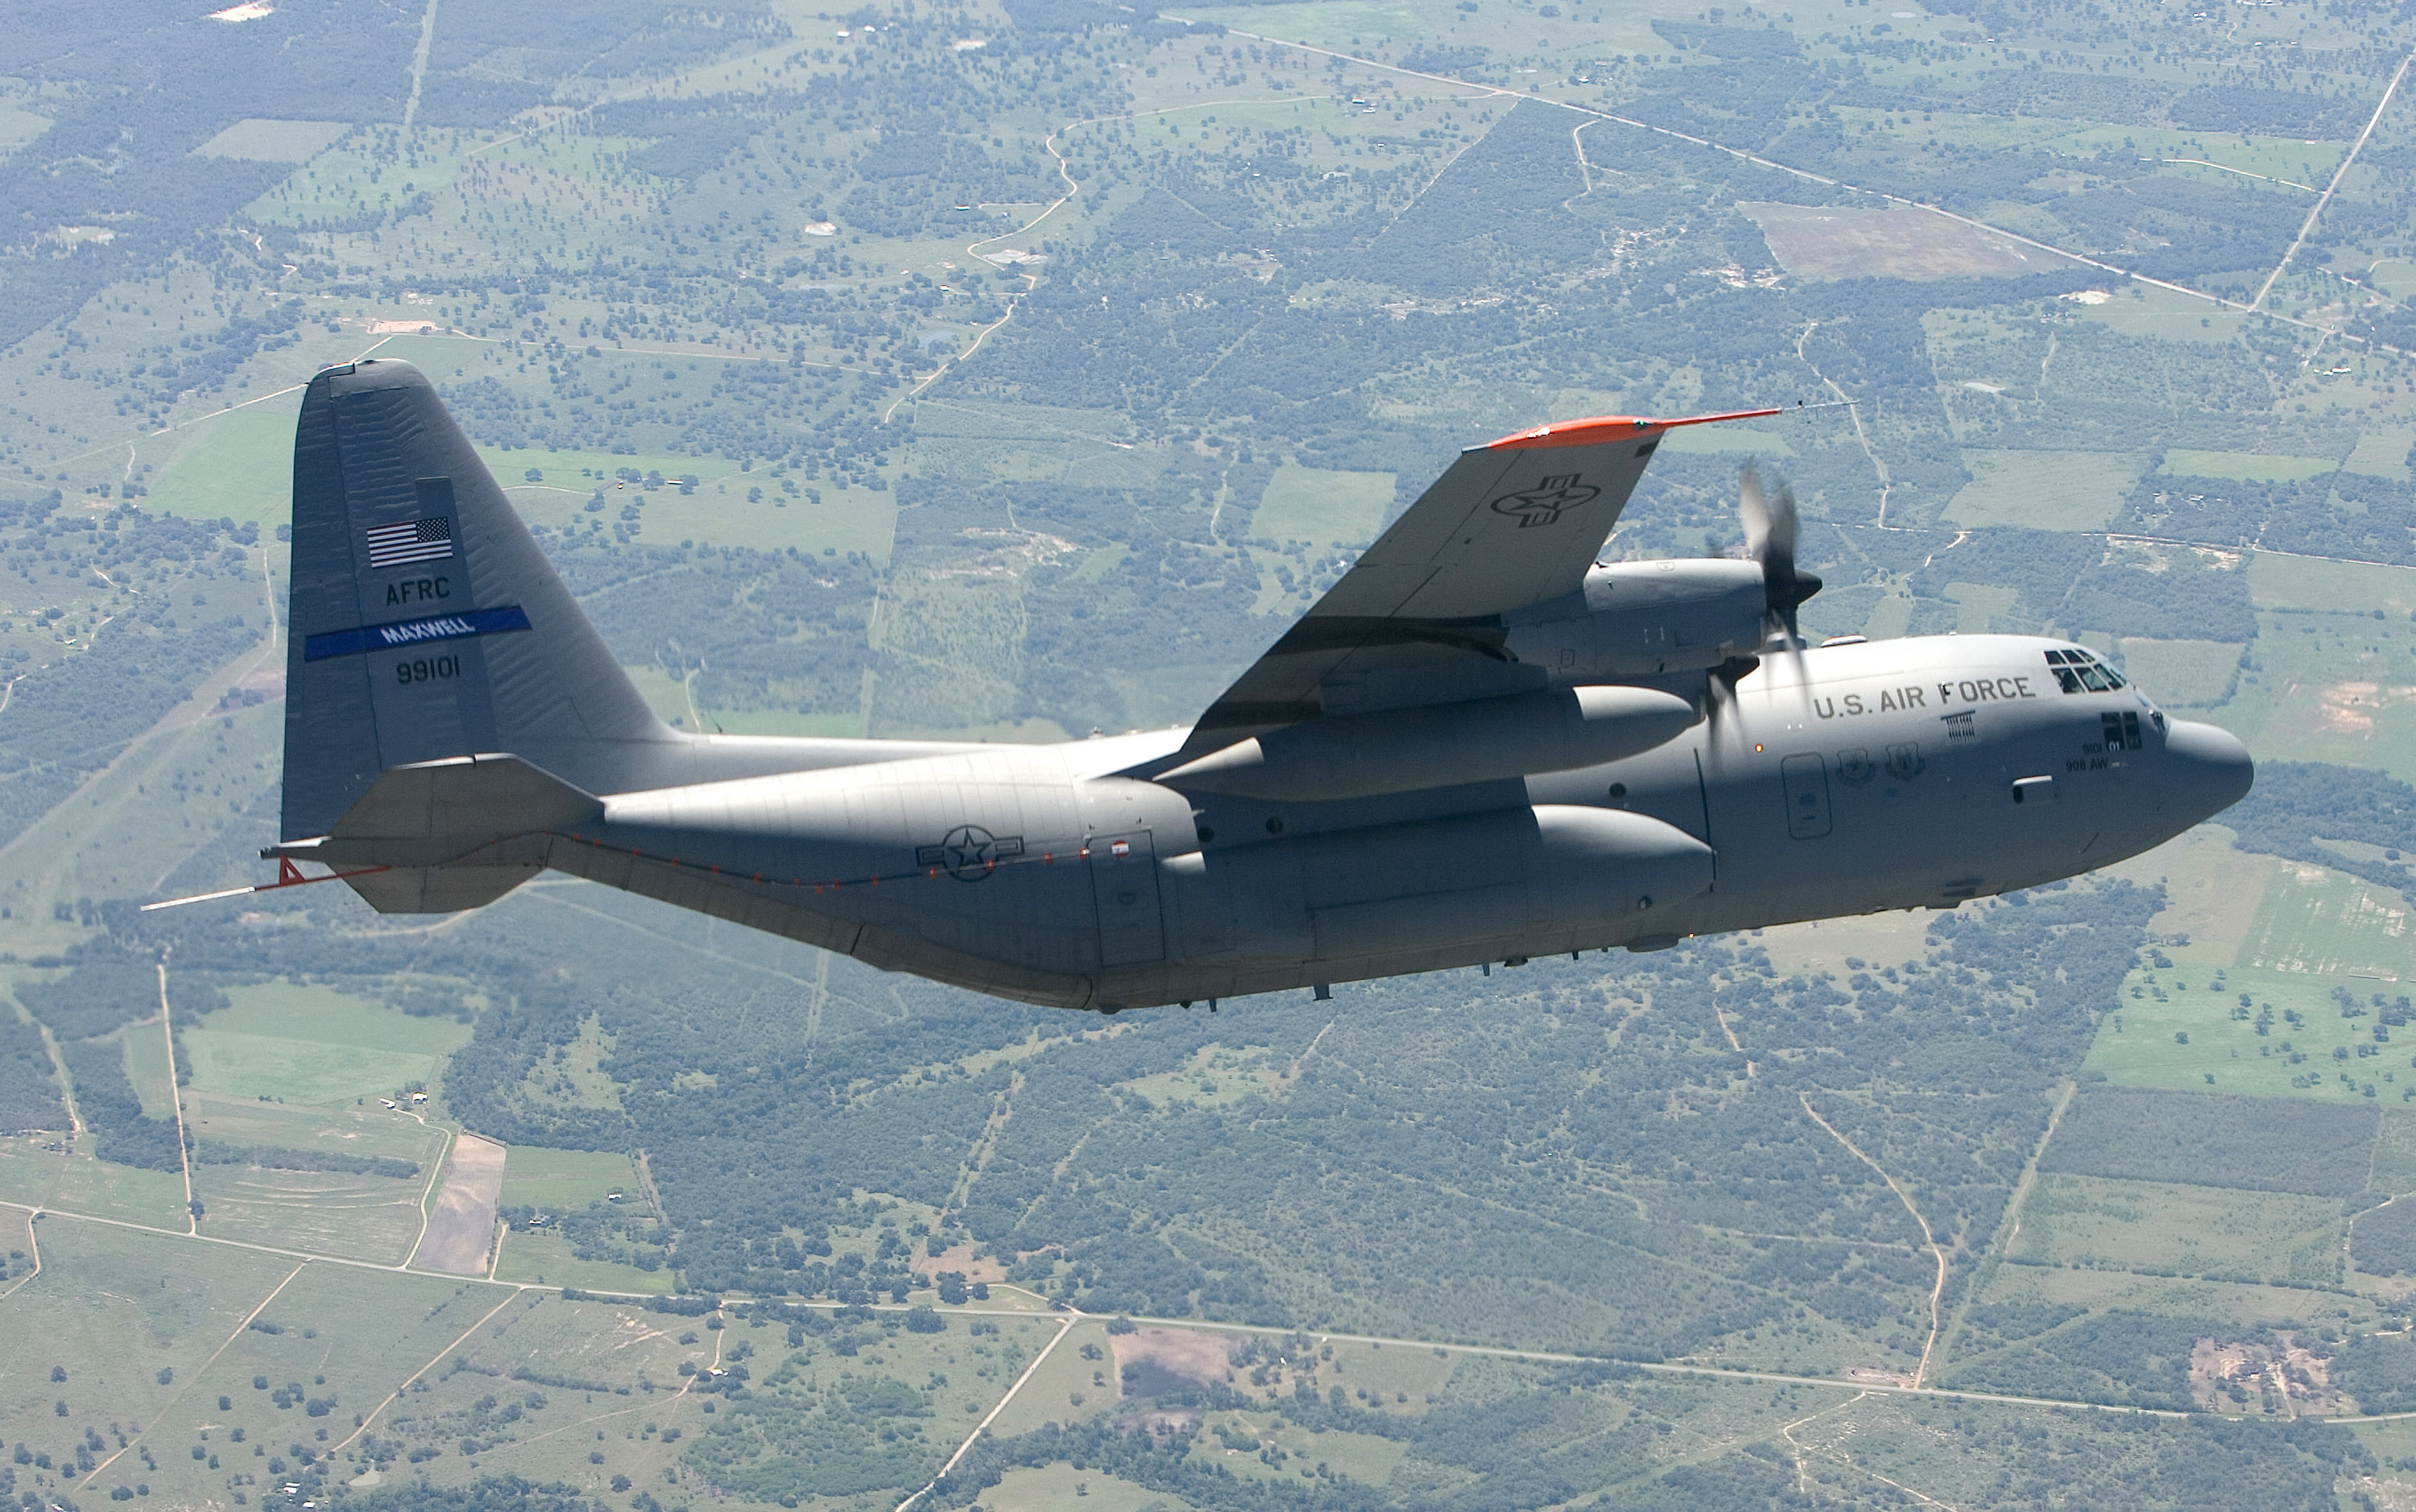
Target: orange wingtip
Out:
[1608,427]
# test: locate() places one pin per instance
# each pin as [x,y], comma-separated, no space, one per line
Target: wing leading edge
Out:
[1510,525]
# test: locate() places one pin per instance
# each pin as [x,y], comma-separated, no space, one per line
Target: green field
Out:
[273,141]
[2102,1223]
[34,1172]
[309,1044]
[545,1259]
[534,1176]
[1340,24]
[238,466]
[2253,467]
[1323,508]
[2315,932]
[2044,491]
[19,125]
[2181,671]
[2285,582]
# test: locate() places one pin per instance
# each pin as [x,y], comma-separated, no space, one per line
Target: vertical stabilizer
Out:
[426,621]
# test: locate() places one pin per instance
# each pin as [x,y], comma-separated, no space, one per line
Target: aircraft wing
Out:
[1510,525]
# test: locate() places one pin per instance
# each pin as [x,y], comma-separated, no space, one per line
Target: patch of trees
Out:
[2295,804]
[107,984]
[2121,1356]
[73,716]
[863,1434]
[105,1098]
[1737,43]
[2383,1243]
[29,1086]
[2049,92]
[488,1493]
[2259,1143]
[2380,1372]
[280,1157]
[2258,110]
[2338,514]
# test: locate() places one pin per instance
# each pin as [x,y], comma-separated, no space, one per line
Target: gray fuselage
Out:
[1895,774]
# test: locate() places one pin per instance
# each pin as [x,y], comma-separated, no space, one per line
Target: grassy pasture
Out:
[1323,507]
[2249,466]
[2043,490]
[238,466]
[1361,1457]
[1049,1396]
[145,1049]
[2383,452]
[2281,582]
[718,514]
[118,1308]
[323,1212]
[2140,1043]
[536,1176]
[608,1344]
[341,1331]
[1978,609]
[344,183]
[1058,1486]
[76,1181]
[2244,1304]
[545,1258]
[2331,925]
[259,140]
[19,125]
[309,1044]
[2290,157]
[1838,242]
[115,838]
[2213,894]
[344,1129]
[2286,935]
[2330,687]
[2181,671]
[2105,1224]
[1323,24]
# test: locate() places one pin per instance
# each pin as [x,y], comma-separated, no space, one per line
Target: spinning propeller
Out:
[1770,531]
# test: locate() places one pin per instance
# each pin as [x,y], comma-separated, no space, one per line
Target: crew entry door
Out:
[1123,877]
[1805,779]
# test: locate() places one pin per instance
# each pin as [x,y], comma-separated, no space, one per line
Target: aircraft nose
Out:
[2206,768]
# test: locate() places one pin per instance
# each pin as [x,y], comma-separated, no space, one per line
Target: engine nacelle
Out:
[1406,750]
[1636,618]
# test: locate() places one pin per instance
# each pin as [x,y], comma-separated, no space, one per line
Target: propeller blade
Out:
[1771,528]
[1756,513]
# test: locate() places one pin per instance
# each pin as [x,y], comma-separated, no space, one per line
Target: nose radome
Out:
[2207,768]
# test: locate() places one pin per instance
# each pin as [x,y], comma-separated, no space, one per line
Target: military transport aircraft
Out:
[1481,745]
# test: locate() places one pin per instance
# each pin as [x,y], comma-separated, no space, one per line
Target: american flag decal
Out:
[418,540]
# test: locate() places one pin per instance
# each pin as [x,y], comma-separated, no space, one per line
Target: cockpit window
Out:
[2077,671]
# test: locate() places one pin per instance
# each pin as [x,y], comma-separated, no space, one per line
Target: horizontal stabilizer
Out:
[432,812]
[437,889]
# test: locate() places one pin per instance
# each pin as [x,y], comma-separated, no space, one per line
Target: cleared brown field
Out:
[1834,241]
